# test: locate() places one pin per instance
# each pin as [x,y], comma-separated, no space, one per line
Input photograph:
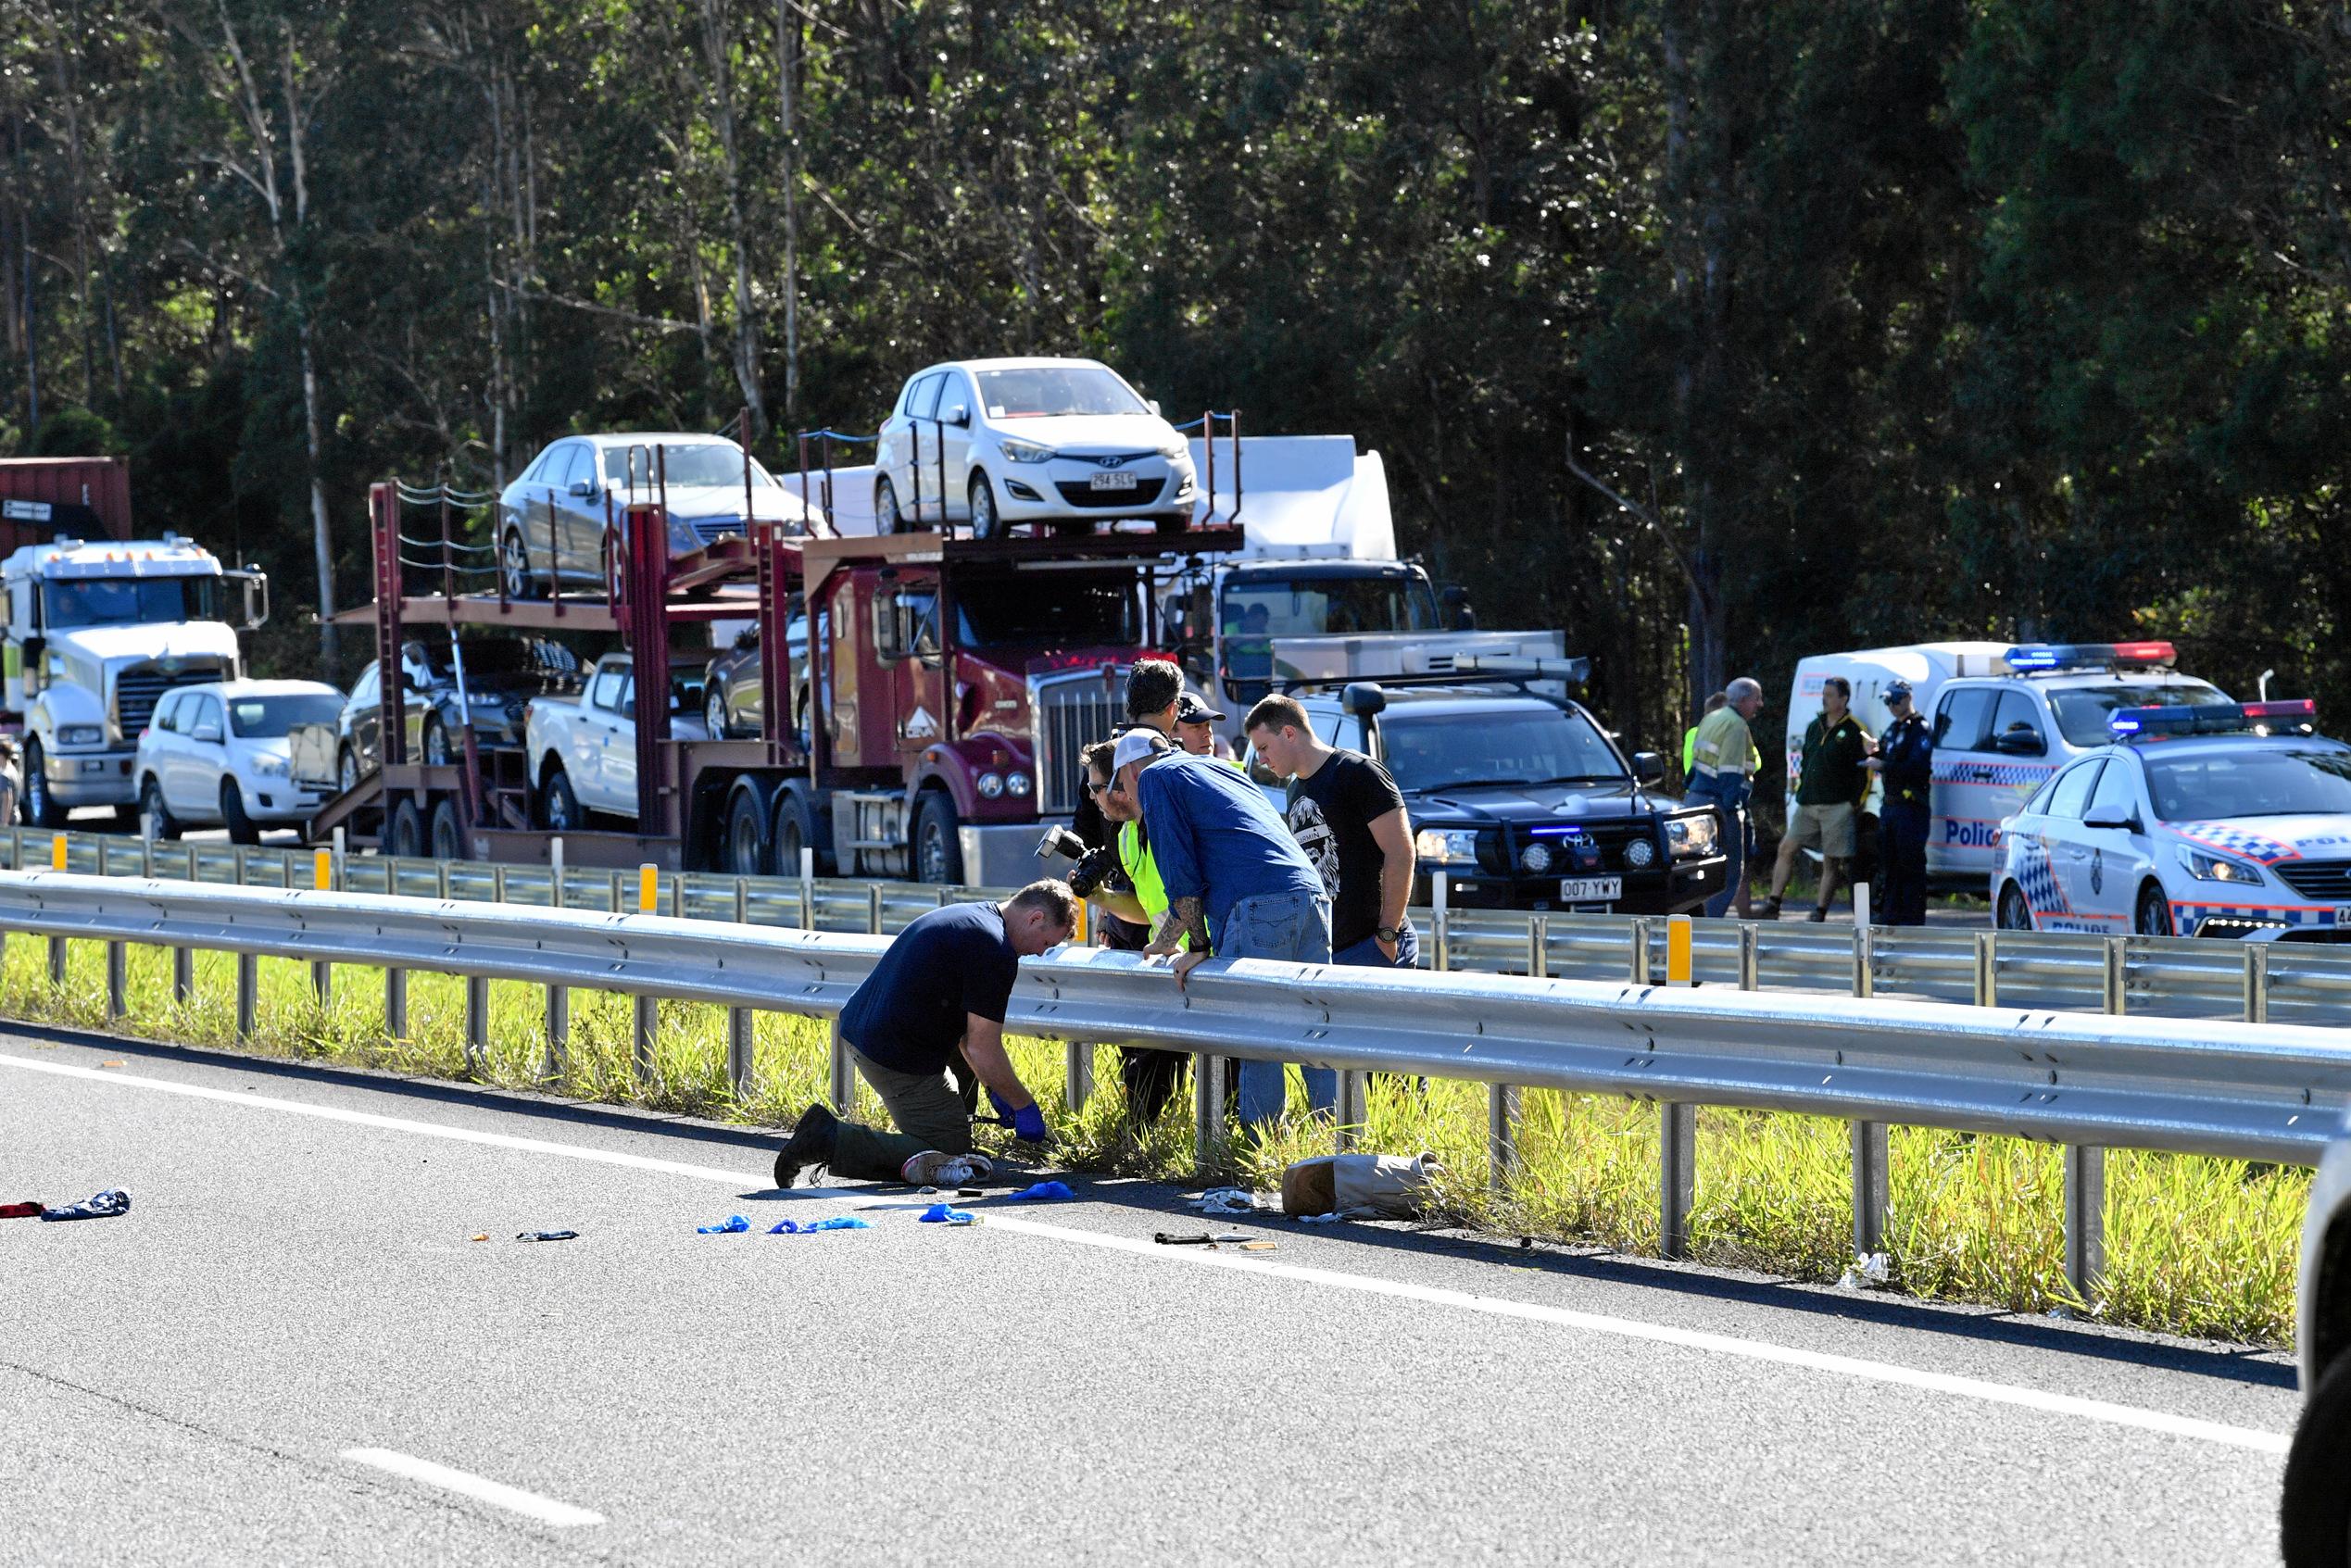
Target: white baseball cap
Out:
[1139,746]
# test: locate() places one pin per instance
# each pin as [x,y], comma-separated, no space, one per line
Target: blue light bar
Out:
[2296,715]
[2029,656]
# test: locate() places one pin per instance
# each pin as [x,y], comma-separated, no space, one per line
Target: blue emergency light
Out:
[2030,656]
[2299,715]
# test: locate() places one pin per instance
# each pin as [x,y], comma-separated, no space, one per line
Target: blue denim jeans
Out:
[1290,928]
[1727,793]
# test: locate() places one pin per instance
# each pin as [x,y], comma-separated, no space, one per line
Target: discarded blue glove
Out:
[1029,1123]
[941,1215]
[734,1223]
[1044,1190]
[809,1228]
[104,1206]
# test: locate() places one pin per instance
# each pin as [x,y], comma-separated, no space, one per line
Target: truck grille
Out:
[2318,879]
[140,687]
[1071,712]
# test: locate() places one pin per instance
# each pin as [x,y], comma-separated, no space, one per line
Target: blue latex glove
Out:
[1029,1123]
[1003,1106]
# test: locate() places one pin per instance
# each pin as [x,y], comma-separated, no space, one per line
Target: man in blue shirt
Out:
[1238,884]
[926,1029]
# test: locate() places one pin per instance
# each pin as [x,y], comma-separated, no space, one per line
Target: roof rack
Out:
[2286,716]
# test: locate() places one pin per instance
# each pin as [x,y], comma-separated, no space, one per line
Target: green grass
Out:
[2198,1247]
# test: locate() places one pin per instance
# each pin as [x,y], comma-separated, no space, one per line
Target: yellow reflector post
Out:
[1678,950]
[56,851]
[648,888]
[323,870]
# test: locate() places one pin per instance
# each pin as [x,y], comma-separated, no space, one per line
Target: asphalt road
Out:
[264,1358]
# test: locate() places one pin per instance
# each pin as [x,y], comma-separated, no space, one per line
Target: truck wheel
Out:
[156,822]
[346,769]
[987,522]
[437,750]
[747,834]
[714,712]
[938,849]
[2314,1511]
[42,810]
[241,827]
[514,567]
[559,807]
[448,834]
[404,830]
[886,514]
[794,831]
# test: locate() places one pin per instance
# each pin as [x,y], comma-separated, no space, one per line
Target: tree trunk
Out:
[787,65]
[321,541]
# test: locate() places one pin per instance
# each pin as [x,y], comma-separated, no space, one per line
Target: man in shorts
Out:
[1828,793]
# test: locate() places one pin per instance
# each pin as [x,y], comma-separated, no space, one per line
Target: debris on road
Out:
[1042,1191]
[941,1215]
[809,1227]
[1227,1200]
[24,1211]
[102,1206]
[1868,1269]
[732,1223]
[484,1236]
[1205,1239]
[547,1236]
[1385,1186]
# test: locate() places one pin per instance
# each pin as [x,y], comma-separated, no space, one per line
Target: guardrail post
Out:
[56,960]
[395,1004]
[182,976]
[1501,1136]
[1987,969]
[2085,1217]
[118,980]
[843,1087]
[559,998]
[873,908]
[1351,1111]
[1440,918]
[742,901]
[739,1040]
[1208,1110]
[1077,1073]
[249,994]
[644,1030]
[2256,983]
[1538,945]
[1868,1138]
[147,859]
[1677,1177]
[808,889]
[1640,950]
[498,884]
[477,1024]
[2117,974]
[1750,955]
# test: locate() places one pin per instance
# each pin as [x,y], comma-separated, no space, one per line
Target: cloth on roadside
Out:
[942,1214]
[734,1223]
[1215,837]
[1330,812]
[910,1013]
[25,1210]
[809,1227]
[1043,1191]
[1227,1200]
[101,1206]
[547,1236]
[1352,1186]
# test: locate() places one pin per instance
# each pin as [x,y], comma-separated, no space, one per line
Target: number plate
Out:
[1119,481]
[1592,890]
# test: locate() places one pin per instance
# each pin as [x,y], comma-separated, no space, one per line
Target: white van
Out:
[2005,717]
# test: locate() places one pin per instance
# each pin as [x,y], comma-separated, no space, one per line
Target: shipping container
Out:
[42,498]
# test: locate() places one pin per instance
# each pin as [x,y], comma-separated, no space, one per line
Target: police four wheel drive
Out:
[1521,798]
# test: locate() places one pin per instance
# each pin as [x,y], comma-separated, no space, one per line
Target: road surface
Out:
[291,1349]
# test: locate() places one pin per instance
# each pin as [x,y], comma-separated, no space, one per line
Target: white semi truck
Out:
[96,632]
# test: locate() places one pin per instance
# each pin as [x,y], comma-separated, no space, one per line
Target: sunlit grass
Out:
[2195,1246]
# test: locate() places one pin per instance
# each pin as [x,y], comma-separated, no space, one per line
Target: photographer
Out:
[1128,888]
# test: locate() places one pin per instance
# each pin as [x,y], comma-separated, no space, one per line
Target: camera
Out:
[1059,841]
[1094,866]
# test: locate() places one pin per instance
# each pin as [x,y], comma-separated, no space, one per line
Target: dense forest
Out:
[1716,332]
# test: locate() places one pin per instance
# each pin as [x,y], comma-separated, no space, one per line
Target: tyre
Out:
[2012,913]
[987,522]
[42,808]
[156,822]
[1166,523]
[795,829]
[886,514]
[559,806]
[242,828]
[938,849]
[745,849]
[2314,1509]
[446,833]
[346,769]
[2152,915]
[404,830]
[714,712]
[514,567]
[437,750]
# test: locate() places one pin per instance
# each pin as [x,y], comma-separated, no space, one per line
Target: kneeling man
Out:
[926,1030]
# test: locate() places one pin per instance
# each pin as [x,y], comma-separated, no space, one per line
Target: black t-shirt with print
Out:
[1330,815]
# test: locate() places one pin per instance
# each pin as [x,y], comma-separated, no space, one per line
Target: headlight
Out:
[1024,451]
[1689,836]
[1639,853]
[2216,867]
[1018,784]
[991,785]
[269,767]
[1535,858]
[81,734]
[1447,847]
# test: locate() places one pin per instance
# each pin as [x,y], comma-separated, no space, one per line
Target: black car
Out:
[501,676]
[1524,801]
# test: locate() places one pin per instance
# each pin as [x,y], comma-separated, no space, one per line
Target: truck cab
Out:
[95,633]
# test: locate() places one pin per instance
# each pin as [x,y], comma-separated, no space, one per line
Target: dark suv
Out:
[1524,800]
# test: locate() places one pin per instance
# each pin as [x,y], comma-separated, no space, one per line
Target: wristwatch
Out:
[1389,934]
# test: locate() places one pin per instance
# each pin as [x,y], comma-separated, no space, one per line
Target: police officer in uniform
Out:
[1906,763]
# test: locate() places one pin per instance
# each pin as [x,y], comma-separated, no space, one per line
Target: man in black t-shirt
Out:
[1347,813]
[926,1030]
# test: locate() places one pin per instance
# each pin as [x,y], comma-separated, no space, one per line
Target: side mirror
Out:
[583,489]
[209,733]
[1459,616]
[1649,768]
[2112,817]
[959,416]
[1153,404]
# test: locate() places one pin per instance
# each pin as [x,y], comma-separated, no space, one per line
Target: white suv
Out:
[993,442]
[218,753]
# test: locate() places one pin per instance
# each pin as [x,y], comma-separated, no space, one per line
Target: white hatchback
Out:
[995,443]
[217,753]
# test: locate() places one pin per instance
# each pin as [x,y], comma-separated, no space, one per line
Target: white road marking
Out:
[547,1511]
[1593,1323]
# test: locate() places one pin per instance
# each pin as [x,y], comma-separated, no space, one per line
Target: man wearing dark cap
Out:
[1196,727]
[1905,764]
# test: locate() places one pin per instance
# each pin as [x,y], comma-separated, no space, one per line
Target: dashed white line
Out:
[1594,1322]
[547,1511]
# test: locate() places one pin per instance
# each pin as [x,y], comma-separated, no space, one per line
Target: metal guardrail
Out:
[2170,977]
[2255,1091]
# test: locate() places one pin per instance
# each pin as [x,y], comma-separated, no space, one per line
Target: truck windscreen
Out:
[1305,606]
[1055,611]
[1431,751]
[129,601]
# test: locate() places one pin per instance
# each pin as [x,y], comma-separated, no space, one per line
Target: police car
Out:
[2200,820]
